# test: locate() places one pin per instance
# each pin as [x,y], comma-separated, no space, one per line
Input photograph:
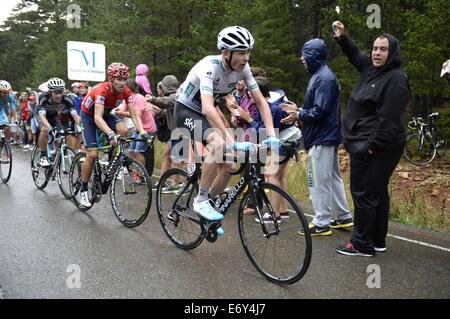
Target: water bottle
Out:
[103,161]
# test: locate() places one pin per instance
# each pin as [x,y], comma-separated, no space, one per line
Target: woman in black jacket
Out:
[374,134]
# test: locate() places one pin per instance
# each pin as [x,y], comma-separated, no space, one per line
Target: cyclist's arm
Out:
[213,117]
[98,118]
[264,110]
[44,121]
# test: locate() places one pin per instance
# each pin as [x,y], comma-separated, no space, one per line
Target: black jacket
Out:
[376,110]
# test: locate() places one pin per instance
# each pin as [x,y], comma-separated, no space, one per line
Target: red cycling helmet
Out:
[118,70]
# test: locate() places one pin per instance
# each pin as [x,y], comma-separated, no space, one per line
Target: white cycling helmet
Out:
[235,39]
[56,84]
[75,85]
[5,87]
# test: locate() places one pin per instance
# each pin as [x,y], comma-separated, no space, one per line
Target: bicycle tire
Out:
[184,233]
[418,154]
[291,251]
[63,177]
[39,174]
[131,211]
[75,182]
[5,165]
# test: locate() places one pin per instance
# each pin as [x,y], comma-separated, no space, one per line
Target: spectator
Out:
[320,115]
[275,173]
[142,80]
[374,134]
[163,105]
[145,126]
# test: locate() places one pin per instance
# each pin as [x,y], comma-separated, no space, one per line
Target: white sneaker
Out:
[44,162]
[84,200]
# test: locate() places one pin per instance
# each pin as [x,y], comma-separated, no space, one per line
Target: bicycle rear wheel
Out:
[131,193]
[419,152]
[38,173]
[283,256]
[5,161]
[64,171]
[174,206]
[75,182]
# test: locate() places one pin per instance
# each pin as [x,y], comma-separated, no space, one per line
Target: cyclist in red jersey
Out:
[96,113]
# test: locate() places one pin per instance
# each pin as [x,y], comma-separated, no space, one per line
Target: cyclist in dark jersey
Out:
[55,110]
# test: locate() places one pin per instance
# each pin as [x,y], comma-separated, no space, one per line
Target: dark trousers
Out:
[369,180]
[149,156]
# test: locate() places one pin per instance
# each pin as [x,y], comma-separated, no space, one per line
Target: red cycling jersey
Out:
[102,94]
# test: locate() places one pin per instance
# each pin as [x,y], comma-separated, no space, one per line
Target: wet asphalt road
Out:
[42,234]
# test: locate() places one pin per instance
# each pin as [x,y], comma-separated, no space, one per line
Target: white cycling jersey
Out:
[210,76]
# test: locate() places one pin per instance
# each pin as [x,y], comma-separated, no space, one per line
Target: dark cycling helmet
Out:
[235,39]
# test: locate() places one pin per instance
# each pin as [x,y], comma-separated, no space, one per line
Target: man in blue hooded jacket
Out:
[322,135]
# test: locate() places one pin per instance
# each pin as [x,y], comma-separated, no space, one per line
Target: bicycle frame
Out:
[250,179]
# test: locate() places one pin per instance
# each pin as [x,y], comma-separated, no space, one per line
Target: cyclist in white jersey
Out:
[211,78]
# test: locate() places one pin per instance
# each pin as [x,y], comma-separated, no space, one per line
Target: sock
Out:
[84,187]
[202,195]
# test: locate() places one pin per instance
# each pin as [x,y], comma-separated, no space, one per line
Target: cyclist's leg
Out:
[217,155]
[90,140]
[198,126]
[43,138]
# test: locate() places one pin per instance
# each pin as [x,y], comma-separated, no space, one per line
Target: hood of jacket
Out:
[395,58]
[315,53]
[142,69]
[169,84]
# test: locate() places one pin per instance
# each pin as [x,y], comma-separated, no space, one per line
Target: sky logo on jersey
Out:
[100,100]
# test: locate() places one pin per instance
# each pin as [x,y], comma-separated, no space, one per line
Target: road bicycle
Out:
[127,179]
[424,142]
[275,248]
[59,156]
[5,157]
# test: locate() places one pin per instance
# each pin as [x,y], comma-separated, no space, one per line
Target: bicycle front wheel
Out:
[419,150]
[64,171]
[131,193]
[176,215]
[5,162]
[283,255]
[38,173]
